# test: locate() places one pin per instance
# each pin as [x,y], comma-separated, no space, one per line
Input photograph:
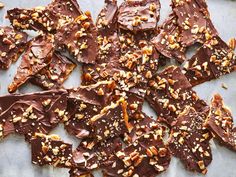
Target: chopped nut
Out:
[16,119]
[154,150]
[100,92]
[1,5]
[232,43]
[79,116]
[201,165]
[224,86]
[45,149]
[162,152]
[149,153]
[46,102]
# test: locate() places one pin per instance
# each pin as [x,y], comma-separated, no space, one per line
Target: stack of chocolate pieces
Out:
[121,56]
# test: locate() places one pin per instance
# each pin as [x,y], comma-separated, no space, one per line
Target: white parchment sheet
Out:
[15,153]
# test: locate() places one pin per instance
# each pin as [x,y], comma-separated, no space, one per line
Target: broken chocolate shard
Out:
[51,150]
[108,37]
[168,41]
[211,61]
[220,123]
[147,156]
[108,49]
[48,18]
[139,15]
[138,56]
[112,121]
[37,57]
[197,26]
[90,155]
[55,74]
[12,44]
[189,141]
[107,18]
[27,114]
[84,103]
[142,125]
[170,92]
[79,38]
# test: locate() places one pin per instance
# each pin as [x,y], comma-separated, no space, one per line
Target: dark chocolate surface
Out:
[12,44]
[170,92]
[51,150]
[37,56]
[30,113]
[48,18]
[189,141]
[194,20]
[55,74]
[139,15]
[79,38]
[84,103]
[146,157]
[211,61]
[168,41]
[220,123]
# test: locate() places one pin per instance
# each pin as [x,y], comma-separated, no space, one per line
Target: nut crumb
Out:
[2,5]
[224,86]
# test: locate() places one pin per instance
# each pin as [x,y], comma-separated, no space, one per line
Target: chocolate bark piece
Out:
[90,155]
[138,54]
[220,123]
[12,44]
[112,121]
[29,113]
[84,103]
[142,125]
[147,156]
[45,18]
[107,18]
[170,92]
[136,15]
[168,41]
[189,141]
[127,81]
[144,60]
[211,61]
[197,26]
[79,38]
[51,150]
[128,84]
[55,74]
[108,40]
[108,49]
[37,57]
[6,125]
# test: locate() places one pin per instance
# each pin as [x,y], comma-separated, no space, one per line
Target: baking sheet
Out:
[15,157]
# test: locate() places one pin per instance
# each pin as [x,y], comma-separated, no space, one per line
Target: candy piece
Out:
[55,74]
[139,15]
[12,44]
[48,18]
[79,38]
[220,123]
[51,150]
[37,57]
[189,141]
[212,60]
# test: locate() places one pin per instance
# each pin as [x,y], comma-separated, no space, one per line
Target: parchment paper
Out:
[15,153]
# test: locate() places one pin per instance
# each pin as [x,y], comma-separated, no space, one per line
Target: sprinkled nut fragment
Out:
[224,86]
[232,43]
[100,92]
[1,5]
